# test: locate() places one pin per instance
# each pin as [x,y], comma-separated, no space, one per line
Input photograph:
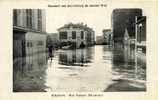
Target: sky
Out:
[95,18]
[98,18]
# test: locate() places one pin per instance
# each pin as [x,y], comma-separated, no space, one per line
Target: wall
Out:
[20,18]
[18,44]
[78,39]
[29,38]
[35,43]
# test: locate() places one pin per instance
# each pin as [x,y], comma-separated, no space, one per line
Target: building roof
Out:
[106,30]
[78,25]
[127,10]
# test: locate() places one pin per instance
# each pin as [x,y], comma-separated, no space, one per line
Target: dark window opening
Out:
[39,20]
[73,34]
[29,18]
[82,34]
[63,35]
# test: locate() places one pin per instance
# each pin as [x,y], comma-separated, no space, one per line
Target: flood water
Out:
[94,69]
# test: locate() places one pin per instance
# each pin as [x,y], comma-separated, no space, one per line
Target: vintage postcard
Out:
[67,49]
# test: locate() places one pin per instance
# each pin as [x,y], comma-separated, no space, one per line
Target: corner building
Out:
[29,32]
[77,35]
[123,19]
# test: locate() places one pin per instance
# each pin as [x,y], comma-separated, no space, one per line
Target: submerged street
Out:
[94,69]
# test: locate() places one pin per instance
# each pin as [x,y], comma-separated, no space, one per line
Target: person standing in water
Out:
[50,49]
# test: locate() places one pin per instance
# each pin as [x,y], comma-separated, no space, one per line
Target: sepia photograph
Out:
[78,50]
[89,50]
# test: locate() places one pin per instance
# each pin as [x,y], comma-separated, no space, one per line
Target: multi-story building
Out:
[77,35]
[107,35]
[141,33]
[29,32]
[124,19]
[100,40]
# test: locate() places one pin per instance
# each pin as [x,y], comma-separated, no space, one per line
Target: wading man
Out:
[50,49]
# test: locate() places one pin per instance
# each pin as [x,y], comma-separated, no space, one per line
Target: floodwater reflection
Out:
[78,57]
[124,63]
[29,73]
[93,69]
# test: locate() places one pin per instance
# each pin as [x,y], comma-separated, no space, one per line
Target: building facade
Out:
[141,33]
[77,35]
[99,40]
[107,35]
[29,32]
[124,19]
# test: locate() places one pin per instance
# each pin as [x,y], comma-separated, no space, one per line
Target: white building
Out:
[77,35]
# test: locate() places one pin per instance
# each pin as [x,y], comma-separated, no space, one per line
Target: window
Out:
[140,33]
[63,35]
[15,17]
[29,18]
[39,20]
[73,34]
[29,44]
[82,34]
